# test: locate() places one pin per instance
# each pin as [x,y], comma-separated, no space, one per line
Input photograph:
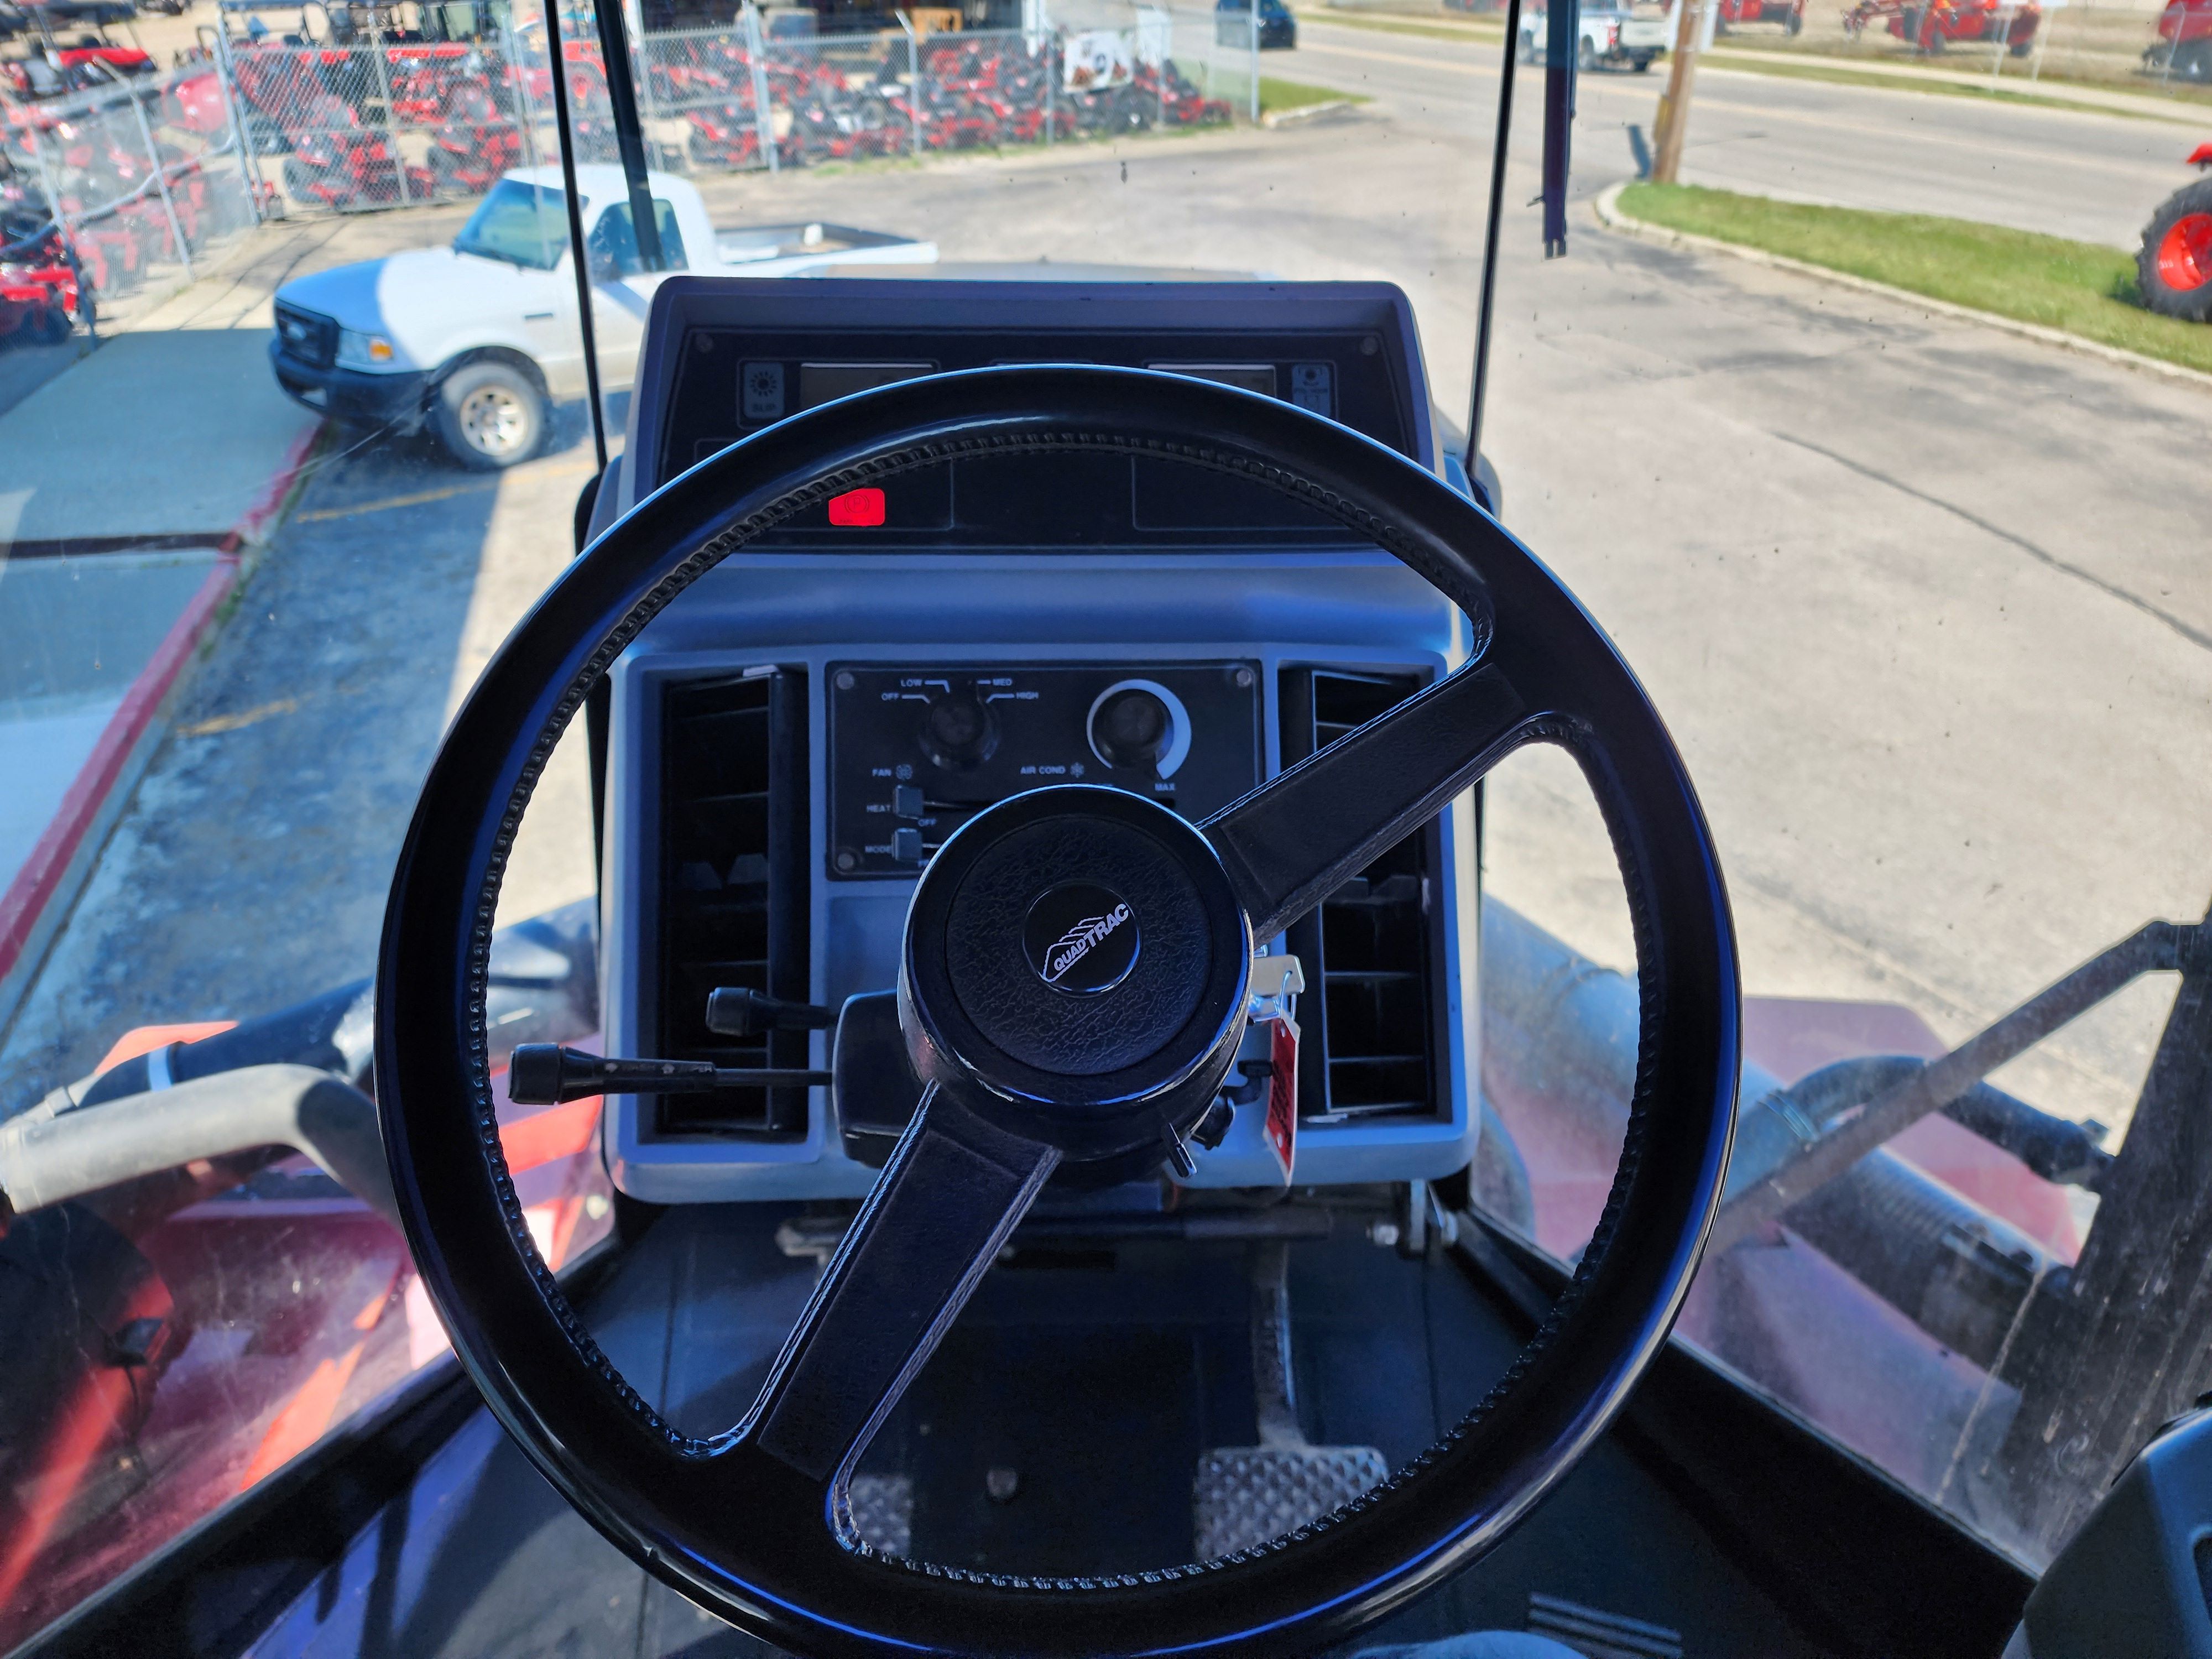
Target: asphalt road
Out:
[2094,178]
[1925,603]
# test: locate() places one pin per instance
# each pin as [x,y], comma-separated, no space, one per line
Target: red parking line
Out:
[266,504]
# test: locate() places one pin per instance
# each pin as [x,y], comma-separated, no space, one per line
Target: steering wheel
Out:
[1072,987]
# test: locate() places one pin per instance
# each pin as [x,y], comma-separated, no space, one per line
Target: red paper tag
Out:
[1282,1130]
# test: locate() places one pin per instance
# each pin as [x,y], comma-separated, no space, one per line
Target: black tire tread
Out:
[2192,305]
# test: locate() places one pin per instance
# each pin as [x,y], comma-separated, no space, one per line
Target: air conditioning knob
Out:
[1139,723]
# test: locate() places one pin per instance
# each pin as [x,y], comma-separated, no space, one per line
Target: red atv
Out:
[2174,267]
[2183,48]
[1930,25]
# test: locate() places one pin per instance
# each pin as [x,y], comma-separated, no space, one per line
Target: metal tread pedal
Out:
[1242,1496]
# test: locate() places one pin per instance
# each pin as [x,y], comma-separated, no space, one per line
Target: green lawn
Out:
[1491,29]
[2077,287]
[1276,95]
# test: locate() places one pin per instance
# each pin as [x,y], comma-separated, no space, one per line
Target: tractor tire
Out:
[2192,60]
[489,414]
[2174,267]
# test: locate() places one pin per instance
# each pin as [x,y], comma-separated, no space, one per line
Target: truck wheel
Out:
[489,414]
[1641,62]
[1585,57]
[2174,268]
[1795,22]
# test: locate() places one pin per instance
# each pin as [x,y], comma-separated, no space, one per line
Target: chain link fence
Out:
[109,189]
[105,192]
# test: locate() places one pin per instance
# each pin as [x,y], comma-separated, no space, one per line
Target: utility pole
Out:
[1674,103]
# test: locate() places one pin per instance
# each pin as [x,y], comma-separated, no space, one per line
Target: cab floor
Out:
[1096,1377]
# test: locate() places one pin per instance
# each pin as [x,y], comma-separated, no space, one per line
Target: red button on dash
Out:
[857,508]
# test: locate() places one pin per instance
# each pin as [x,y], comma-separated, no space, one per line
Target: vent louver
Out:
[1368,948]
[733,889]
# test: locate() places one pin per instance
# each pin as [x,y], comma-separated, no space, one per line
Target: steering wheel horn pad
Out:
[1027,1081]
[1105,1075]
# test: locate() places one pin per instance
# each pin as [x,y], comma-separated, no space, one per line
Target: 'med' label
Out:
[1081,937]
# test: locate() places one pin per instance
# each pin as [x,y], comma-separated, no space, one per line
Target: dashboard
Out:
[790,742]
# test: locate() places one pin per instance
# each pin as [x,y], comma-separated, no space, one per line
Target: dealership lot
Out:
[1924,603]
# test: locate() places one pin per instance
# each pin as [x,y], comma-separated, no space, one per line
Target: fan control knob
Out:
[959,731]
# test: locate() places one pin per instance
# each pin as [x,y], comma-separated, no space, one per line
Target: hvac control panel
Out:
[915,751]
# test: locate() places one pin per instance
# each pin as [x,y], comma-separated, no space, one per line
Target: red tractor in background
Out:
[2184,47]
[1790,14]
[1930,26]
[2174,266]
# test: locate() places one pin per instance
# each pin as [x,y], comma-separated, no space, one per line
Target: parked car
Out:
[476,339]
[1278,28]
[1612,33]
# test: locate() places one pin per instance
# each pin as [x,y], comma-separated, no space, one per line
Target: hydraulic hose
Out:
[1777,1126]
[48,1156]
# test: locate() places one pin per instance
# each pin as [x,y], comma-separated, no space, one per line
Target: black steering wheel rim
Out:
[671,1501]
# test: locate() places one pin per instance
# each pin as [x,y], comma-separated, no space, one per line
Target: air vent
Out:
[1369,1035]
[733,888]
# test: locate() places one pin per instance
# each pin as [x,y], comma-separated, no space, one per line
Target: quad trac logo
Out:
[1081,937]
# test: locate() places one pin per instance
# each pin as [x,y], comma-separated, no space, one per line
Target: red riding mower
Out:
[1930,25]
[2174,266]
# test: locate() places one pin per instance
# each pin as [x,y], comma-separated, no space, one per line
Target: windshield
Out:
[526,224]
[1861,399]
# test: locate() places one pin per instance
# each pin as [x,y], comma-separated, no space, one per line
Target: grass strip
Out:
[1839,75]
[1277,95]
[2075,286]
[1489,33]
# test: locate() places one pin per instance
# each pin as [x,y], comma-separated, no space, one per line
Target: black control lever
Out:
[548,1074]
[732,1010]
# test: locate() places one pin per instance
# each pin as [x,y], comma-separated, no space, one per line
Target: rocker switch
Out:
[906,846]
[907,801]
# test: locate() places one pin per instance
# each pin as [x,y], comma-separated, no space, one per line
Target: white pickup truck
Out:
[1611,33]
[479,338]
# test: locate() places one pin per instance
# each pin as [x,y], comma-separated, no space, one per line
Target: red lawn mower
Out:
[1930,25]
[2174,267]
[1734,14]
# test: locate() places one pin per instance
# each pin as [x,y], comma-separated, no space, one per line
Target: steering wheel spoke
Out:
[1297,839]
[952,1190]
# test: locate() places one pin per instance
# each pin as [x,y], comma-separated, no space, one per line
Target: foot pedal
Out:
[881,1510]
[1243,1496]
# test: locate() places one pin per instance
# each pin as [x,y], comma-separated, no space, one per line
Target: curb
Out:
[268,505]
[37,900]
[1285,117]
[1606,207]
